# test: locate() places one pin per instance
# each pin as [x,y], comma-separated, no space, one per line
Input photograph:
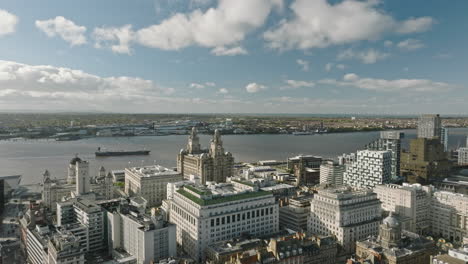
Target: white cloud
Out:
[66,29]
[46,85]
[319,24]
[369,56]
[304,64]
[117,39]
[8,22]
[341,66]
[202,85]
[223,91]
[294,84]
[223,51]
[221,28]
[388,43]
[197,86]
[416,25]
[410,44]
[255,87]
[382,85]
[328,67]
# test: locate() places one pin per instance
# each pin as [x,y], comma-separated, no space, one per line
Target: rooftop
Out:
[152,171]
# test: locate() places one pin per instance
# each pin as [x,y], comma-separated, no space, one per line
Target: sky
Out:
[234,56]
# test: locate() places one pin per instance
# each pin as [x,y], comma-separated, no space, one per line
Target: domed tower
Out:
[71,178]
[193,145]
[390,232]
[216,148]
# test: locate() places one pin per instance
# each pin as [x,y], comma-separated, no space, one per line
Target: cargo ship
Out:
[100,153]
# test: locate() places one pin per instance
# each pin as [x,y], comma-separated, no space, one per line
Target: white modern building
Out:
[412,202]
[350,215]
[371,167]
[150,182]
[148,239]
[463,156]
[218,212]
[331,173]
[88,214]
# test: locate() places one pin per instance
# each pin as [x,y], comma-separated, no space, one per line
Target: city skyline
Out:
[262,56]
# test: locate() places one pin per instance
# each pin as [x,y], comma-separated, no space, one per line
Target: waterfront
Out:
[30,158]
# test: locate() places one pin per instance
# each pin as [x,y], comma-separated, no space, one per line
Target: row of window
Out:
[237,217]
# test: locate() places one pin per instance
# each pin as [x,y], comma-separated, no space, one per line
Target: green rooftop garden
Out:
[197,191]
[222,199]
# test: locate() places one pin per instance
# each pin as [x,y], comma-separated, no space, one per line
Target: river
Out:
[31,157]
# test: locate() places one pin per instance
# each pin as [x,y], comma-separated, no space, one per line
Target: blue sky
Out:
[243,56]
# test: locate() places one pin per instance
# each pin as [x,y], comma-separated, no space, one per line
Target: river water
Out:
[30,158]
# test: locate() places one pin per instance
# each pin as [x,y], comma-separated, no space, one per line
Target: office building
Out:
[218,212]
[389,141]
[99,187]
[331,173]
[444,134]
[90,216]
[371,167]
[213,164]
[349,215]
[148,239]
[449,216]
[294,215]
[150,182]
[394,246]
[306,169]
[429,126]
[425,161]
[412,203]
[463,156]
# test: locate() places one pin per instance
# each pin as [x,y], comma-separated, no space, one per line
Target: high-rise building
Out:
[150,182]
[389,141]
[412,203]
[463,156]
[394,246]
[444,137]
[64,248]
[90,216]
[148,239]
[429,126]
[331,173]
[371,167]
[213,164]
[425,161]
[350,215]
[205,215]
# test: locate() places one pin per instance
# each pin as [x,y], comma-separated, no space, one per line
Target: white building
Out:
[88,214]
[371,167]
[205,215]
[463,156]
[410,201]
[147,239]
[331,173]
[429,126]
[150,182]
[350,215]
[449,215]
